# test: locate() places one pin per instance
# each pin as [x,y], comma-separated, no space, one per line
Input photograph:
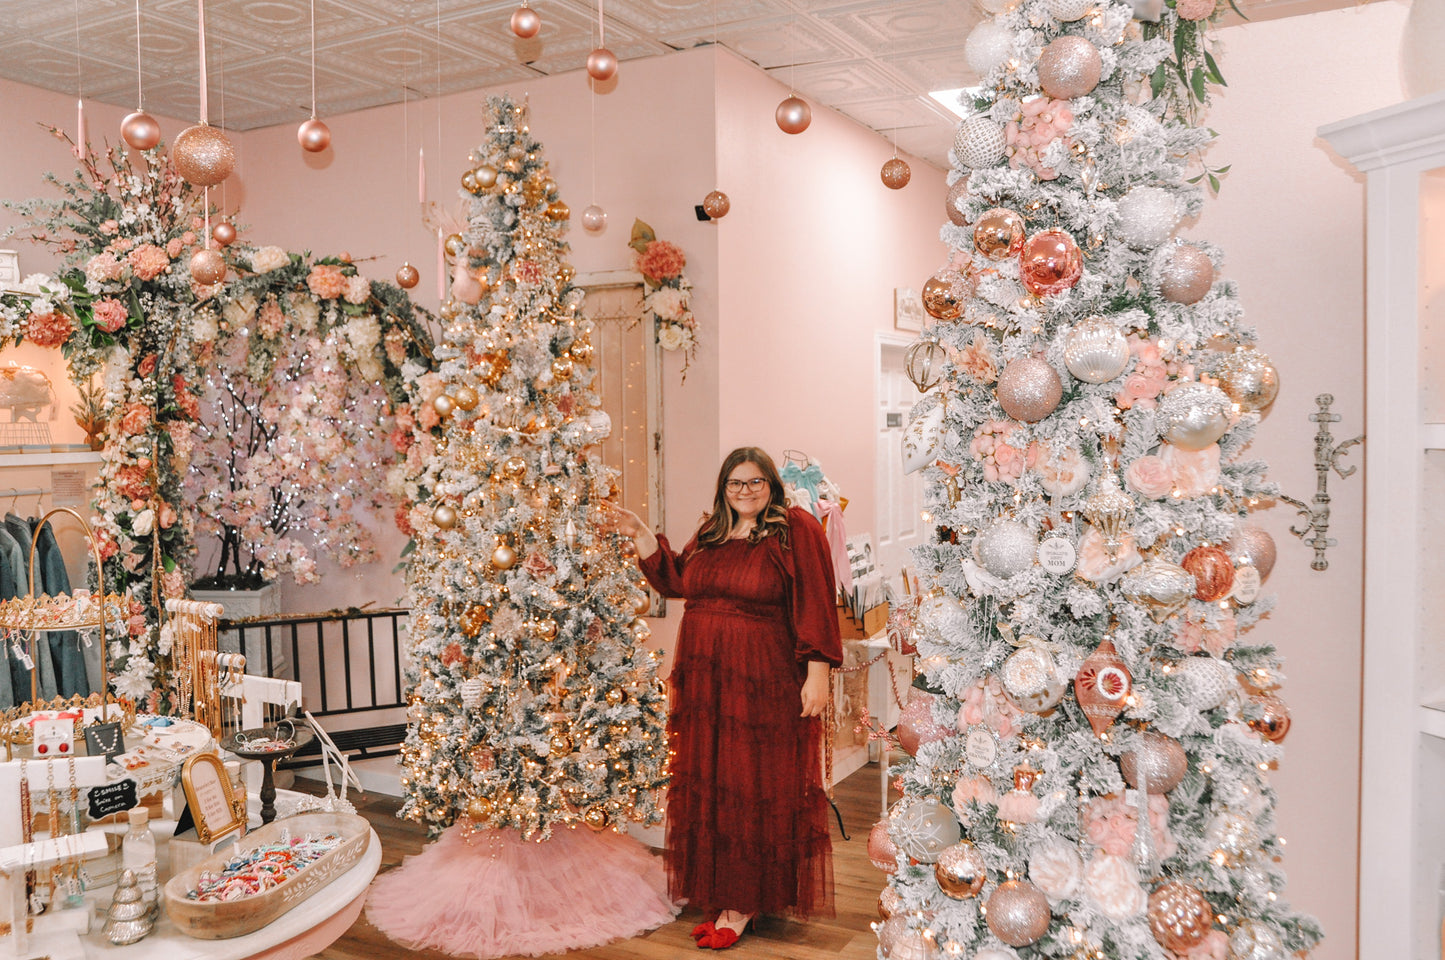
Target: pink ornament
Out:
[1252,544]
[881,851]
[208,266]
[1102,685]
[1029,389]
[601,64]
[916,725]
[793,115]
[140,130]
[224,234]
[594,219]
[1050,263]
[465,286]
[313,135]
[957,194]
[407,276]
[1213,572]
[1069,67]
[203,155]
[1187,275]
[525,22]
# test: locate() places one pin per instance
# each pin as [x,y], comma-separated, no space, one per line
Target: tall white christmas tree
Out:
[533,701]
[1092,388]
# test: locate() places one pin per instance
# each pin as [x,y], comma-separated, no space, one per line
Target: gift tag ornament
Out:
[920,440]
[1101,686]
[980,747]
[1246,585]
[1057,555]
[1161,587]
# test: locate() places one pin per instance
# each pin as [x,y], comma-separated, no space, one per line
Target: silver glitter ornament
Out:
[1232,834]
[1069,67]
[1095,351]
[1187,274]
[979,143]
[1207,681]
[988,46]
[1161,587]
[953,205]
[1193,415]
[1252,544]
[1147,217]
[1032,680]
[1018,913]
[1029,389]
[1006,548]
[1069,10]
[1155,763]
[1110,511]
[129,917]
[1249,379]
[960,871]
[914,945]
[1255,940]
[923,828]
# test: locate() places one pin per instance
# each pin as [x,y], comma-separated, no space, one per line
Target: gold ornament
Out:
[640,628]
[1110,510]
[565,273]
[454,245]
[486,176]
[512,166]
[944,293]
[470,184]
[641,605]
[465,397]
[581,351]
[473,620]
[504,557]
[515,468]
[960,871]
[560,745]
[545,629]
[444,405]
[449,309]
[562,368]
[479,809]
[596,818]
[557,210]
[615,696]
[549,185]
[445,516]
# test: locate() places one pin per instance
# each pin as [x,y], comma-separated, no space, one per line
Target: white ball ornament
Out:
[1253,940]
[1069,10]
[1193,415]
[988,46]
[1095,351]
[997,6]
[979,143]
[1006,548]
[1207,681]
[923,828]
[1147,217]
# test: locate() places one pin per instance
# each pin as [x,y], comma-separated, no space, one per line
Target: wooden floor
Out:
[846,936]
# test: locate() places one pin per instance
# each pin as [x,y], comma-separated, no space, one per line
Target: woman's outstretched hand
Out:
[611,516]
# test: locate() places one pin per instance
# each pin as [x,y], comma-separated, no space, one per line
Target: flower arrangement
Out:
[668,294]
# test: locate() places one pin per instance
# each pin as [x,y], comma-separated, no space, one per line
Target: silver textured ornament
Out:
[129,917]
[1187,274]
[979,143]
[1069,67]
[1207,681]
[1069,10]
[1095,351]
[988,46]
[1032,680]
[1161,587]
[1193,415]
[1155,763]
[1249,379]
[1029,389]
[1252,544]
[1018,913]
[1255,940]
[1110,511]
[1006,548]
[923,828]
[1147,217]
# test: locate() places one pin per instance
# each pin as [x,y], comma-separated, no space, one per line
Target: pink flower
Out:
[968,789]
[1137,387]
[110,228]
[977,359]
[102,268]
[1094,563]
[49,329]
[173,584]
[1018,806]
[174,246]
[147,366]
[537,565]
[660,261]
[1194,473]
[1001,461]
[1113,885]
[135,420]
[166,516]
[188,238]
[402,518]
[985,703]
[132,481]
[186,400]
[148,261]
[1194,9]
[1109,823]
[1150,476]
[270,319]
[110,314]
[326,281]
[1191,636]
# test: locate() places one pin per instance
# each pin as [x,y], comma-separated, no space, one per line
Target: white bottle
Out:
[138,852]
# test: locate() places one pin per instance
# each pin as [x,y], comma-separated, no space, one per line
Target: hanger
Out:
[796,456]
[15,499]
[39,502]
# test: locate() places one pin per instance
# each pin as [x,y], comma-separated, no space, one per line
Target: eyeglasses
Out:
[754,485]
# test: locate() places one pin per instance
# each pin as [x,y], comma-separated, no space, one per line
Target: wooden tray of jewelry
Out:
[246,909]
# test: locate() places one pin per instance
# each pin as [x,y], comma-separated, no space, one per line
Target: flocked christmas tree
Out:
[1093,389]
[533,701]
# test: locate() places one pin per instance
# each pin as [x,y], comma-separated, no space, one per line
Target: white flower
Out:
[668,303]
[305,310]
[240,311]
[266,259]
[36,283]
[1056,869]
[203,326]
[364,334]
[143,523]
[163,645]
[358,289]
[135,680]
[1113,886]
[670,337]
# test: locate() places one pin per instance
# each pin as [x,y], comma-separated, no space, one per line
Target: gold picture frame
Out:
[215,808]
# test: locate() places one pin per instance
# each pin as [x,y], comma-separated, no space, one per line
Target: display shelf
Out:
[1432,436]
[51,459]
[1432,719]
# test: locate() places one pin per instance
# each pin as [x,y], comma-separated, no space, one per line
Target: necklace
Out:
[108,746]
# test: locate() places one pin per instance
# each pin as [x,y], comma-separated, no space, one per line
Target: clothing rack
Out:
[15,493]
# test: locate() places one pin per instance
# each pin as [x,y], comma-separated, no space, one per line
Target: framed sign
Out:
[216,810]
[908,312]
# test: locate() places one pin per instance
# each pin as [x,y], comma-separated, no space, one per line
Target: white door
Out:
[900,498]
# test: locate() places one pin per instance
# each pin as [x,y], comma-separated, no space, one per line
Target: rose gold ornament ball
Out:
[525,22]
[1253,544]
[895,174]
[407,276]
[1179,916]
[1029,389]
[1187,275]
[1050,263]
[601,64]
[716,204]
[203,155]
[881,851]
[916,725]
[1018,913]
[444,405]
[1069,67]
[1273,721]
[313,135]
[1213,572]
[956,195]
[224,233]
[999,234]
[1155,762]
[960,871]
[793,115]
[504,557]
[594,219]
[445,516]
[944,293]
[466,397]
[208,266]
[140,130]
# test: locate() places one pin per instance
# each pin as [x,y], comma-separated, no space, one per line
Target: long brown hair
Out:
[718,526]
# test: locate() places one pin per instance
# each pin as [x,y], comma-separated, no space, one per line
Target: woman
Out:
[747,825]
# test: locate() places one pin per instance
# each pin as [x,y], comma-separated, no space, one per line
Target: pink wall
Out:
[1291,222]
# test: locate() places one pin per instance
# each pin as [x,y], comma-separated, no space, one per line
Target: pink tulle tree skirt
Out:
[497,895]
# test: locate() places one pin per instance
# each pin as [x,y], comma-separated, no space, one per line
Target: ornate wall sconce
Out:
[1316,513]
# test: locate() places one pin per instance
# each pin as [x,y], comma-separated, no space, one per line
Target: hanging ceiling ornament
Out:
[594,219]
[793,114]
[896,174]
[203,155]
[224,234]
[139,129]
[407,276]
[313,135]
[716,204]
[601,63]
[525,22]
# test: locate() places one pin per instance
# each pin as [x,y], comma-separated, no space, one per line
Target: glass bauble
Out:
[1110,511]
[1187,274]
[953,205]
[445,516]
[1273,720]
[313,135]
[793,115]
[716,204]
[1213,572]
[1050,262]
[945,292]
[1147,216]
[224,233]
[999,234]
[525,22]
[1032,680]
[881,851]
[1193,415]
[203,155]
[207,266]
[1252,544]
[140,130]
[1096,351]
[407,276]
[601,64]
[916,725]
[988,45]
[1101,686]
[923,828]
[1161,587]
[1207,682]
[1155,763]
[960,871]
[1249,378]
[1256,940]
[594,219]
[1006,548]
[923,362]
[895,173]
[1179,916]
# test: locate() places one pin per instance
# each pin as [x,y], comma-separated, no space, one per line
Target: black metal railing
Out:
[349,664]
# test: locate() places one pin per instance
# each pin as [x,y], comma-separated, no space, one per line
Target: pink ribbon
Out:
[831,515]
[201,7]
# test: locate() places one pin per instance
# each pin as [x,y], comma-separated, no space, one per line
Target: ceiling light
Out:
[954,100]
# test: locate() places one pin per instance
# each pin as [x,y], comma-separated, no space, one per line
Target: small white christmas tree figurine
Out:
[1090,775]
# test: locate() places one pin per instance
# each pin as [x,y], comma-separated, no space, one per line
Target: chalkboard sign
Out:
[112,798]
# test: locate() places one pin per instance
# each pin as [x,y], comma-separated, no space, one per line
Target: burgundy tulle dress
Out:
[747,816]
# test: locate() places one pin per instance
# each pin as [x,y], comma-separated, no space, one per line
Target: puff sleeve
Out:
[663,569]
[812,610]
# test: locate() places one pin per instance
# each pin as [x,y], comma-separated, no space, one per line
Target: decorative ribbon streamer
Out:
[201,13]
[421,175]
[441,266]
